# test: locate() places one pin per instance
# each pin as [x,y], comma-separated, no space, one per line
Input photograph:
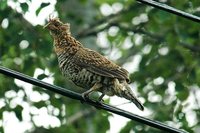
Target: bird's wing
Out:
[96,63]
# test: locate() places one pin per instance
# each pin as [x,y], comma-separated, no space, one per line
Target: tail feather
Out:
[122,89]
[138,103]
[128,94]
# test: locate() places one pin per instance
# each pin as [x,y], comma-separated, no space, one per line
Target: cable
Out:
[171,10]
[77,96]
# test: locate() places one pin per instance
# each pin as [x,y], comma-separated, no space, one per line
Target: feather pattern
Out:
[87,68]
[96,63]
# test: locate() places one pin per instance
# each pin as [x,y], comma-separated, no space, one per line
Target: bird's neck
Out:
[67,44]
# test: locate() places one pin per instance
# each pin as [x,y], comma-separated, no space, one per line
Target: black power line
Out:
[77,96]
[171,10]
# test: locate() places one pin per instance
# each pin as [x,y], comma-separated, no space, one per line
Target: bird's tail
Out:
[128,94]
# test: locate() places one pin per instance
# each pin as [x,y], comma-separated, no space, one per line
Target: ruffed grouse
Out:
[87,68]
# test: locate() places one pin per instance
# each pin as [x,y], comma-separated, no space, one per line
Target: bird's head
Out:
[57,28]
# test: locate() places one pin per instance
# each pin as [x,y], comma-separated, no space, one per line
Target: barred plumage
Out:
[87,68]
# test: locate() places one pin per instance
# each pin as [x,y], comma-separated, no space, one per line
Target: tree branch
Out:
[93,30]
[111,21]
[159,38]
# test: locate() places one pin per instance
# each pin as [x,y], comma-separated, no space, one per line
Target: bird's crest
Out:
[57,27]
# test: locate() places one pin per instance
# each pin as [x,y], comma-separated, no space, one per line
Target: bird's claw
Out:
[85,96]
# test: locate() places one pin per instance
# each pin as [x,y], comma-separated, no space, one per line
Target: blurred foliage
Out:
[167,77]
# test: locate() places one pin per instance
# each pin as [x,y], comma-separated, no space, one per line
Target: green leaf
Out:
[1,130]
[42,76]
[40,8]
[1,112]
[40,104]
[127,128]
[18,112]
[3,4]
[182,92]
[24,7]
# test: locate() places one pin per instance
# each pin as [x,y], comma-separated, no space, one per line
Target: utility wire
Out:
[77,96]
[171,9]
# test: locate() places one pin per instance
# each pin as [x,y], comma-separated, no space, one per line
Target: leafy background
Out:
[165,48]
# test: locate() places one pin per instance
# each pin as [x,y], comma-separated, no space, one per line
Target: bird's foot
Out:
[85,96]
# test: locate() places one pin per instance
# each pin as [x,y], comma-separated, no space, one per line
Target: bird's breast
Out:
[80,76]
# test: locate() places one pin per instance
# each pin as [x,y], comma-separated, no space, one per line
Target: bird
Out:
[87,68]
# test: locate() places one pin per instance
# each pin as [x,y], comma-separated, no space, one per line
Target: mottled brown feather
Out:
[96,63]
[87,68]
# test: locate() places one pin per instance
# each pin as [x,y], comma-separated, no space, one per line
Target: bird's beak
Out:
[46,26]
